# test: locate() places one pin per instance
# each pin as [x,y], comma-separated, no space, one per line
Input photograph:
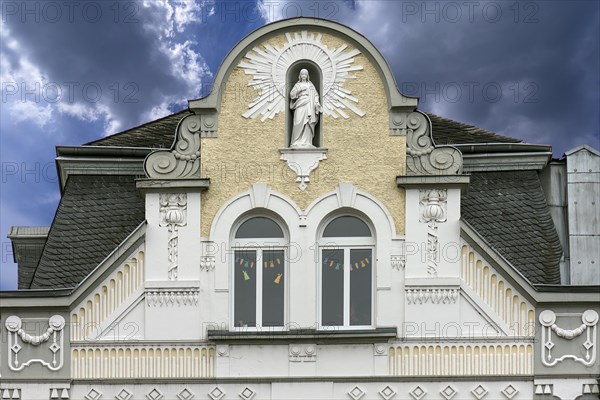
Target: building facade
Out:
[305,232]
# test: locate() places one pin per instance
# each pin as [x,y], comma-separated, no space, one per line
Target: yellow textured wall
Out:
[360,149]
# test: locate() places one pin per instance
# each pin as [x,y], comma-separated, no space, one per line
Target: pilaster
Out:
[432,250]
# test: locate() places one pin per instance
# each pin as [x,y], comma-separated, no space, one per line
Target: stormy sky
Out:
[74,71]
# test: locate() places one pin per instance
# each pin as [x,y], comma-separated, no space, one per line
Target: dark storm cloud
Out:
[526,69]
[544,56]
[116,57]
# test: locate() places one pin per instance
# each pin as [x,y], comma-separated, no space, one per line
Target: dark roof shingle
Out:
[509,210]
[161,133]
[96,213]
[447,131]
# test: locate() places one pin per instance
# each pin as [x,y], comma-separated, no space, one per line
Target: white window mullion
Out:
[346,269]
[286,290]
[259,287]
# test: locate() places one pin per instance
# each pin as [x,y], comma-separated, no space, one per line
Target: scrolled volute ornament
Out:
[423,157]
[183,159]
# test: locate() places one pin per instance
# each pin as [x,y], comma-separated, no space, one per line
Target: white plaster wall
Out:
[448,236]
[174,320]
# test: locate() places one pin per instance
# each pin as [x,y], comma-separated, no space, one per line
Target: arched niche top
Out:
[395,99]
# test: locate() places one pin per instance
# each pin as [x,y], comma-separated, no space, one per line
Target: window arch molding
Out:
[254,214]
[257,199]
[356,201]
[346,212]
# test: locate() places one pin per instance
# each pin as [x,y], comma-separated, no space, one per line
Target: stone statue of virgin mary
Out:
[305,104]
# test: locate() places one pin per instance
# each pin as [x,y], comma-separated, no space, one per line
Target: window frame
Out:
[347,244]
[254,244]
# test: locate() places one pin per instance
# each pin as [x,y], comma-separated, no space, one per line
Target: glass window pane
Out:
[273,278]
[259,227]
[347,226]
[245,288]
[332,287]
[360,286]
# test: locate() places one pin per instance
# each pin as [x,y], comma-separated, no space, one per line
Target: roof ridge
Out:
[137,127]
[470,127]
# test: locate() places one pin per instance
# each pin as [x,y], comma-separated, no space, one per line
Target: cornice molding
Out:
[98,165]
[489,162]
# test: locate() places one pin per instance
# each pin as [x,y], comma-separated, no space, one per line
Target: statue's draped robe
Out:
[305,103]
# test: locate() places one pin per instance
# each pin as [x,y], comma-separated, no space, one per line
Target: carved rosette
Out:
[183,159]
[53,335]
[433,208]
[173,214]
[302,352]
[589,323]
[423,157]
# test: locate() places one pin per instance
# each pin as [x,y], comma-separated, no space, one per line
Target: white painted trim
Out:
[105,326]
[124,248]
[498,262]
[486,312]
[487,162]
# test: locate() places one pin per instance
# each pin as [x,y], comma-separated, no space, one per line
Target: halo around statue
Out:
[270,64]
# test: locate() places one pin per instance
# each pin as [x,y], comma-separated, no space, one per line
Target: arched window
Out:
[347,249]
[259,271]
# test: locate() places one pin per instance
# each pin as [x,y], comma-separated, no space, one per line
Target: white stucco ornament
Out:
[433,211]
[589,322]
[269,66]
[173,214]
[53,335]
[303,162]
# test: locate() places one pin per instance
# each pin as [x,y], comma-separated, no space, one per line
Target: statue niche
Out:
[303,127]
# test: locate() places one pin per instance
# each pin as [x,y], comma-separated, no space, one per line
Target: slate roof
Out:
[161,133]
[28,244]
[447,131]
[509,210]
[155,134]
[96,213]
